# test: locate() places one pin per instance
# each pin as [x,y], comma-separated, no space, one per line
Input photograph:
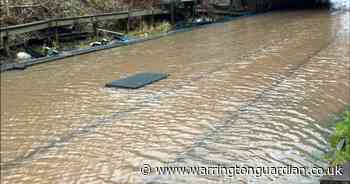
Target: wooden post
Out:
[141,23]
[172,12]
[128,23]
[57,36]
[152,16]
[194,9]
[6,45]
[131,5]
[94,25]
[210,12]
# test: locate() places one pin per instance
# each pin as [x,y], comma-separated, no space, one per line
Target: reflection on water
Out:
[256,91]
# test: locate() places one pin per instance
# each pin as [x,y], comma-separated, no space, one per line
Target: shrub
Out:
[342,131]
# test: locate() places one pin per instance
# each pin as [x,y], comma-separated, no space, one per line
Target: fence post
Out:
[6,45]
[152,18]
[94,25]
[194,9]
[172,12]
[128,22]
[57,36]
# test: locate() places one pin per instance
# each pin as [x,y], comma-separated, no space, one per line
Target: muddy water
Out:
[258,91]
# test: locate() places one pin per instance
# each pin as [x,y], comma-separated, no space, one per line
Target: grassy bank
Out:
[143,31]
[146,30]
[340,141]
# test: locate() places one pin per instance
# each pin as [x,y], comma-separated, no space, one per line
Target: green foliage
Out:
[342,131]
[149,30]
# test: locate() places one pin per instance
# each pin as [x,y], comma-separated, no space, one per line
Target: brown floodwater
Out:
[256,91]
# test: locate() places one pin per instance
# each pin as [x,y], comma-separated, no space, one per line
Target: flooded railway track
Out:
[256,91]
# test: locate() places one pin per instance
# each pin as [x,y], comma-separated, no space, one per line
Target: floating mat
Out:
[137,81]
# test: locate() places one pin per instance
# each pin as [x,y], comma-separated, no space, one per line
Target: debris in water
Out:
[50,51]
[137,81]
[23,56]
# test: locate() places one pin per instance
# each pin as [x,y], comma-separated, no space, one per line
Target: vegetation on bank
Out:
[143,30]
[14,12]
[340,141]
[146,30]
[20,11]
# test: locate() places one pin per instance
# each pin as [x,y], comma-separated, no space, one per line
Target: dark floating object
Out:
[137,81]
